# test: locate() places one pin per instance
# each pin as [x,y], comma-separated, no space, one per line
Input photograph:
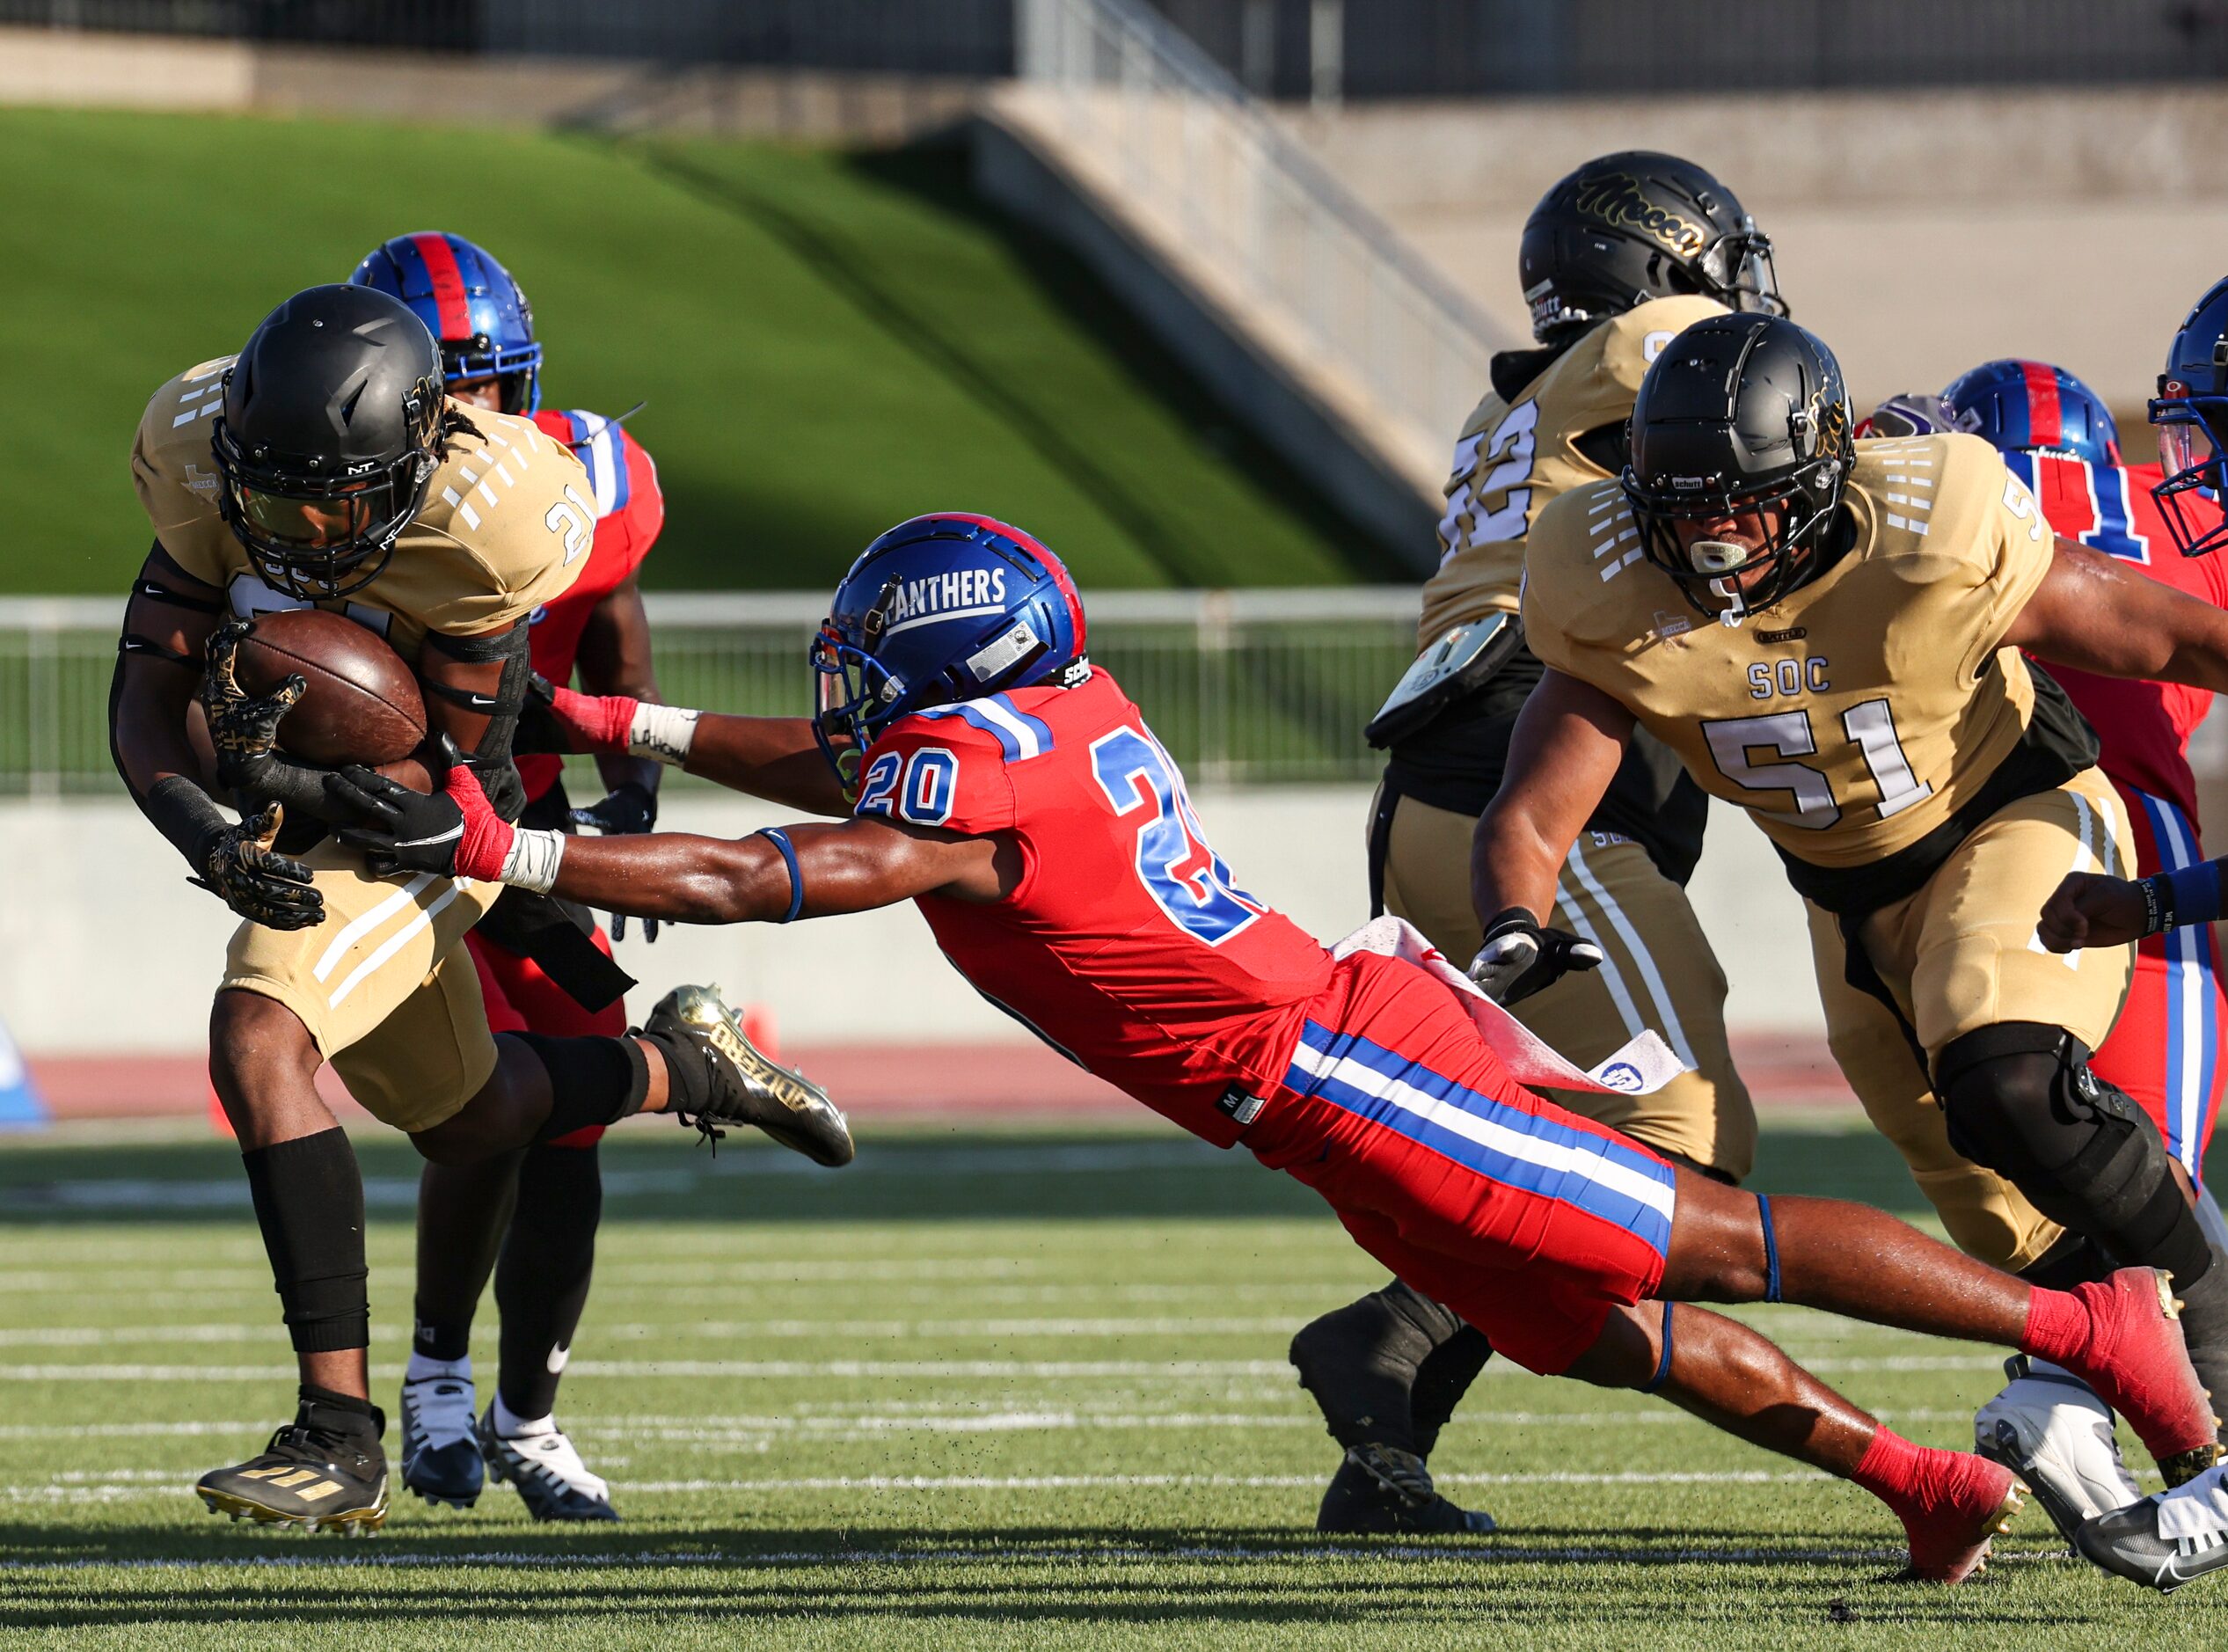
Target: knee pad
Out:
[2018,1098]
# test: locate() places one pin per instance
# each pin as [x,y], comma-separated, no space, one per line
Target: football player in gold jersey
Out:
[324,466]
[1615,259]
[1829,634]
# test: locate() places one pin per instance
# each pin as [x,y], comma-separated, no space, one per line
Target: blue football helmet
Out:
[2032,407]
[2191,412]
[940,609]
[469,304]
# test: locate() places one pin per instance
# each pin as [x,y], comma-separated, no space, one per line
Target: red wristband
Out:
[486,843]
[600,723]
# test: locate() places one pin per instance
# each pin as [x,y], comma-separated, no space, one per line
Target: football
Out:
[362,704]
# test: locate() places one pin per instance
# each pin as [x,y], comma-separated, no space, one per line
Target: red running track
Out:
[874,1080]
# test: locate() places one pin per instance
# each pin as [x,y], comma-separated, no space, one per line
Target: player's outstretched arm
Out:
[2092,613]
[773,758]
[815,870]
[1564,753]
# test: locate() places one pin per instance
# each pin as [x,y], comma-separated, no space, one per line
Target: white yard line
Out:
[1300,1553]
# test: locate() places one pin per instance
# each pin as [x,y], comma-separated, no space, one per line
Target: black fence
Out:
[1292,48]
[925,37]
[1455,49]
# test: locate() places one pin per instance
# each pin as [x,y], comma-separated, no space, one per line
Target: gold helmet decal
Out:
[1618,200]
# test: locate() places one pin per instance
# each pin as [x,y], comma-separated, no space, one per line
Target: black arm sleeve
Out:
[179,809]
[492,758]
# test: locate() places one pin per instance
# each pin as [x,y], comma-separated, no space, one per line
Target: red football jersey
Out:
[1126,947]
[2144,727]
[629,514]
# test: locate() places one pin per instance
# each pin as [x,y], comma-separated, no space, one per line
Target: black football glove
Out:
[1519,957]
[239,865]
[629,808]
[397,830]
[244,729]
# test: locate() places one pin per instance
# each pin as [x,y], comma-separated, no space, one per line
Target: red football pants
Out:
[2164,1049]
[1529,1222]
[522,999]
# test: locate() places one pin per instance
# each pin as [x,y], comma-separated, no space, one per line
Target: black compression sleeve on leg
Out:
[542,1280]
[308,1202]
[591,1081]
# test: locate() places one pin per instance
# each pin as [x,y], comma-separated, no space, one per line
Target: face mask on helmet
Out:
[2191,453]
[515,371]
[1729,557]
[318,538]
[1739,270]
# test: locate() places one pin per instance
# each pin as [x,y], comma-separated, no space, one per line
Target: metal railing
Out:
[1188,142]
[1243,687]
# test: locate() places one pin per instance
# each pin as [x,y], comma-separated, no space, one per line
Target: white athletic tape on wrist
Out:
[660,732]
[533,860]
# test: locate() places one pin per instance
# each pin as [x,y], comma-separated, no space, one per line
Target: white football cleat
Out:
[547,1470]
[441,1459]
[2049,1428]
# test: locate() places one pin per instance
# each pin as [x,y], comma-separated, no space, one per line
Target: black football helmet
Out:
[330,432]
[1626,228]
[1739,414]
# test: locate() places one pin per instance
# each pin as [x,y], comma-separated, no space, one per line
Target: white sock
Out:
[517,1427]
[420,1369]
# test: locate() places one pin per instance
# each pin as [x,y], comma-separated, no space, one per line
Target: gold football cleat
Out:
[313,1478]
[747,1086]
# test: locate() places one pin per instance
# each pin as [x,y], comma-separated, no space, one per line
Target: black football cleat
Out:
[747,1086]
[2126,1542]
[323,1472]
[441,1459]
[1380,1489]
[548,1472]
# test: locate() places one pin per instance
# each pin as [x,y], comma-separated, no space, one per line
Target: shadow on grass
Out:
[653,1176]
[1123,1574]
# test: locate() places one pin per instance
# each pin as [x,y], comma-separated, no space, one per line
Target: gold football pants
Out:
[388,996]
[1960,954]
[1657,973]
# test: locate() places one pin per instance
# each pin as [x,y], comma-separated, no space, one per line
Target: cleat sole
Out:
[242,1507]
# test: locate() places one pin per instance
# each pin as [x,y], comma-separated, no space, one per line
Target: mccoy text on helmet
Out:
[1626,228]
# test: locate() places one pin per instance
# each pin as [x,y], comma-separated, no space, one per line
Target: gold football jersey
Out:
[1854,715]
[506,526]
[1513,458]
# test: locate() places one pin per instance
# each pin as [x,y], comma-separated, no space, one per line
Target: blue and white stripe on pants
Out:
[2193,1031]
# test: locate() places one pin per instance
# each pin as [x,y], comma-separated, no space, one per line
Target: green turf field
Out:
[828,342]
[993,1388]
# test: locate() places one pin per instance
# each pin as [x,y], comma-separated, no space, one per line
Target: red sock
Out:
[2058,1325]
[1889,1468]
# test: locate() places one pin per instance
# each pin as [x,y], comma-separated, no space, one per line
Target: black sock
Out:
[462,1209]
[1441,1379]
[338,1412]
[591,1081]
[542,1280]
[308,1202]
[688,1080]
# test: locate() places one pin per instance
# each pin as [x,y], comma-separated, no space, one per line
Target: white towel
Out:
[1644,1066]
